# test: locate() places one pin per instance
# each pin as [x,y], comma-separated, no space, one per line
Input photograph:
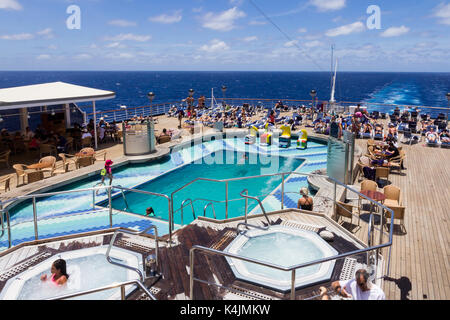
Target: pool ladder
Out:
[244,194]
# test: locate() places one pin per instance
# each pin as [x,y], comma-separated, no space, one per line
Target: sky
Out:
[225,35]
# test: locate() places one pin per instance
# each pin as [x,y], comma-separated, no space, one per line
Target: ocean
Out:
[426,89]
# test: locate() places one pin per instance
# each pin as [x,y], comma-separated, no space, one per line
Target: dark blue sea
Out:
[421,89]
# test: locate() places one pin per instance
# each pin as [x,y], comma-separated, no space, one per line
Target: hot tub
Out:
[87,269]
[286,247]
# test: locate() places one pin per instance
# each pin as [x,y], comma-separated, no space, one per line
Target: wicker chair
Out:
[382,172]
[4,157]
[63,169]
[392,194]
[35,176]
[68,159]
[21,172]
[85,162]
[346,210]
[399,214]
[86,142]
[51,161]
[47,149]
[100,155]
[5,184]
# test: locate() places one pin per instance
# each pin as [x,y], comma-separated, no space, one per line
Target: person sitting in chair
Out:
[431,135]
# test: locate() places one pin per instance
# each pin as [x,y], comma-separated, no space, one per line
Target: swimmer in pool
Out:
[150,212]
[59,273]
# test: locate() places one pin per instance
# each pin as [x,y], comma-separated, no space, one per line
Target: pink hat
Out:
[109,162]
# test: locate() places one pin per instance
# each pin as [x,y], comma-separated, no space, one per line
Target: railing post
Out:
[170,219]
[191,274]
[334,198]
[36,236]
[282,191]
[110,206]
[226,200]
[293,285]
[93,199]
[122,292]
[114,116]
[246,207]
[8,224]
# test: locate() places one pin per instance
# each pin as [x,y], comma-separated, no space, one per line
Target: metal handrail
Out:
[113,286]
[33,197]
[192,207]
[124,198]
[276,266]
[246,196]
[206,207]
[113,239]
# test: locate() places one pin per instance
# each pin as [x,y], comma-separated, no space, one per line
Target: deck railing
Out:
[5,206]
[126,113]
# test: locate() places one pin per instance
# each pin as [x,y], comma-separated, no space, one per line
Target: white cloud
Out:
[442,12]
[121,55]
[345,30]
[21,36]
[116,45]
[129,37]
[47,33]
[257,23]
[215,46]
[313,44]
[10,4]
[302,30]
[167,19]
[44,57]
[328,5]
[122,23]
[395,32]
[83,56]
[223,21]
[250,39]
[291,44]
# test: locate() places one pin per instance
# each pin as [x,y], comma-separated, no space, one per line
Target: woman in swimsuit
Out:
[59,273]
[305,203]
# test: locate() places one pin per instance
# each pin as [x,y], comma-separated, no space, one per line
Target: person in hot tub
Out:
[59,273]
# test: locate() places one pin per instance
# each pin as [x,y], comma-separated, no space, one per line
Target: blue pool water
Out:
[227,165]
[73,213]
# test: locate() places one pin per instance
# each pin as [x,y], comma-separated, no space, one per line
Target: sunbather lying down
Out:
[431,136]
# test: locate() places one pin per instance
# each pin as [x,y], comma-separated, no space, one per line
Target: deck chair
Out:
[382,172]
[409,138]
[85,162]
[63,169]
[100,155]
[47,149]
[397,163]
[5,184]
[367,185]
[399,214]
[86,142]
[392,194]
[52,164]
[345,210]
[21,172]
[35,176]
[68,159]
[4,157]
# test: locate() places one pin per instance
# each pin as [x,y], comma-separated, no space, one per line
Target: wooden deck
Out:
[420,267]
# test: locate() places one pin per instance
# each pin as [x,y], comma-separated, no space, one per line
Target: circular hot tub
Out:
[286,247]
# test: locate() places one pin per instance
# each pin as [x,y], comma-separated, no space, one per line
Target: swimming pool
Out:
[73,213]
[282,246]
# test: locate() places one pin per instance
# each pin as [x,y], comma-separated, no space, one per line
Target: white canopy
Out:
[48,94]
